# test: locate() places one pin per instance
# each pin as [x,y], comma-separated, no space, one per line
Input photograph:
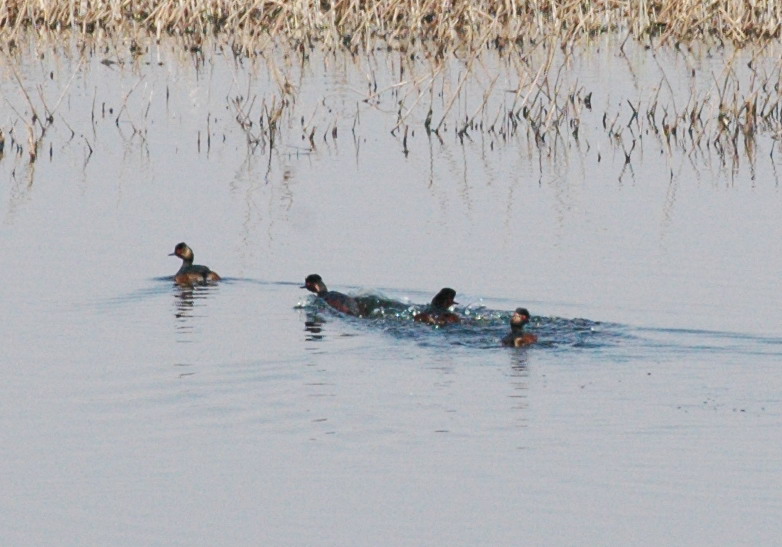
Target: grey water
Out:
[133,411]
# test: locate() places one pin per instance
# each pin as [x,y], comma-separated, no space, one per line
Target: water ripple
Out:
[483,328]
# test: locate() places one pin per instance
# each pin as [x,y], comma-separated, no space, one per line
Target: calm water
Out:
[136,412]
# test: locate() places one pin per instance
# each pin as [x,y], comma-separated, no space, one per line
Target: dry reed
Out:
[535,40]
[442,25]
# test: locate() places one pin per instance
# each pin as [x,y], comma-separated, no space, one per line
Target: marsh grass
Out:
[442,24]
[451,71]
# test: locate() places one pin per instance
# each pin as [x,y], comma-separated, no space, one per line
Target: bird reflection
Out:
[188,299]
[518,363]
[184,302]
[313,326]
[519,385]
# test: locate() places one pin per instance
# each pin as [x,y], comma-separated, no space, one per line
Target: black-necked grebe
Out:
[337,300]
[517,337]
[189,273]
[438,312]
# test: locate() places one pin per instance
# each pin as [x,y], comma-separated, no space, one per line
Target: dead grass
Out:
[523,93]
[440,25]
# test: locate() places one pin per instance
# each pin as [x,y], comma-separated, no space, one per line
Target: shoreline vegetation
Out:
[443,25]
[441,85]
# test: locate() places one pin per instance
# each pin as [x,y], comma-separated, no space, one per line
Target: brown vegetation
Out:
[461,68]
[441,24]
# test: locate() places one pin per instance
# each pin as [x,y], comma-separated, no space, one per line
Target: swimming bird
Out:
[337,300]
[189,273]
[438,312]
[517,337]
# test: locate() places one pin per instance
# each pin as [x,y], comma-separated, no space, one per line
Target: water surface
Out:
[135,411]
